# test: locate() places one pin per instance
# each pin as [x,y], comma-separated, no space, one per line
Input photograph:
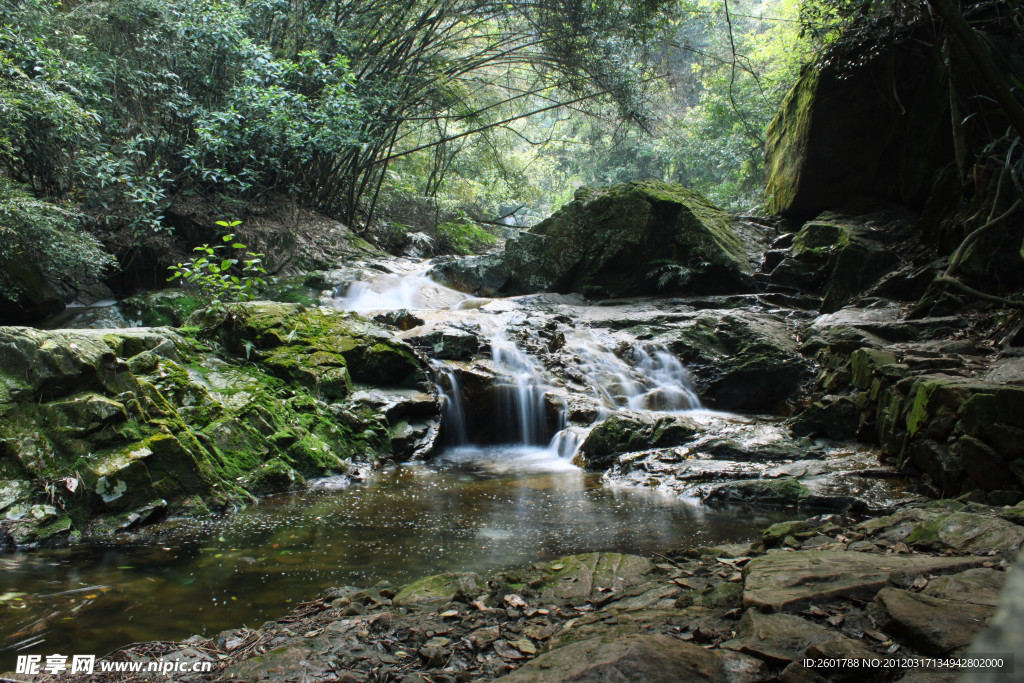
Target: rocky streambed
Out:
[773,377]
[804,602]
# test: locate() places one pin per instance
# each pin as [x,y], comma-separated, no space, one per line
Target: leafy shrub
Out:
[48,234]
[211,272]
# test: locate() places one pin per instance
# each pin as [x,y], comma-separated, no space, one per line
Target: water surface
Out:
[472,509]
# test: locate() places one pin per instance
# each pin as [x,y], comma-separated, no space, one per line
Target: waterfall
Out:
[653,380]
[453,415]
[521,410]
[668,386]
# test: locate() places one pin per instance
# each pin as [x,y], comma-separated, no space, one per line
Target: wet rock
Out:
[446,343]
[484,275]
[652,659]
[626,432]
[739,360]
[789,581]
[637,238]
[1005,631]
[933,626]
[787,491]
[777,638]
[402,319]
[440,589]
[273,477]
[937,529]
[832,417]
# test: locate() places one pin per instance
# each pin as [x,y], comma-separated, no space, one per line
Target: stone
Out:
[484,275]
[577,578]
[840,134]
[939,530]
[639,659]
[978,586]
[832,417]
[777,638]
[790,581]
[1004,633]
[626,432]
[446,343]
[739,360]
[140,415]
[274,476]
[636,238]
[440,589]
[302,661]
[933,626]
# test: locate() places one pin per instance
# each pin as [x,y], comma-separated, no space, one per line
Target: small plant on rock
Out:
[213,271]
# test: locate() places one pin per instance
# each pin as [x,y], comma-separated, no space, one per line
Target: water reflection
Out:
[474,509]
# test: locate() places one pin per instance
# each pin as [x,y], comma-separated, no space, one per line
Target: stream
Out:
[497,493]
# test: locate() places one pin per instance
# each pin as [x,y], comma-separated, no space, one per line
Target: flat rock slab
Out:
[931,625]
[974,586]
[786,582]
[938,530]
[582,576]
[303,661]
[777,638]
[440,588]
[643,659]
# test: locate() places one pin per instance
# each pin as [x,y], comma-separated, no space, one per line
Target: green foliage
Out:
[36,231]
[211,272]
[463,236]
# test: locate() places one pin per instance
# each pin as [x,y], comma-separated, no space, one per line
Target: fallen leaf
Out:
[515,602]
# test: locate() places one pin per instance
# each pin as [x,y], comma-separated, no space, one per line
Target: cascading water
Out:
[655,380]
[643,377]
[392,291]
[453,415]
[666,385]
[522,413]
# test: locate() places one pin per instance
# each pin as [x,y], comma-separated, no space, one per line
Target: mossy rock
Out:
[637,238]
[274,476]
[162,307]
[322,349]
[740,360]
[874,131]
[627,432]
[140,415]
[440,588]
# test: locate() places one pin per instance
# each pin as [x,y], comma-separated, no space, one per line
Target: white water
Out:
[654,380]
[392,291]
[638,377]
[522,399]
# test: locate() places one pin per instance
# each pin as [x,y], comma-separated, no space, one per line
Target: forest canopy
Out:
[422,110]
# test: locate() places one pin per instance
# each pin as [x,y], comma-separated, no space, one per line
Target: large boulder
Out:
[637,238]
[26,294]
[627,432]
[103,430]
[838,256]
[740,360]
[880,129]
